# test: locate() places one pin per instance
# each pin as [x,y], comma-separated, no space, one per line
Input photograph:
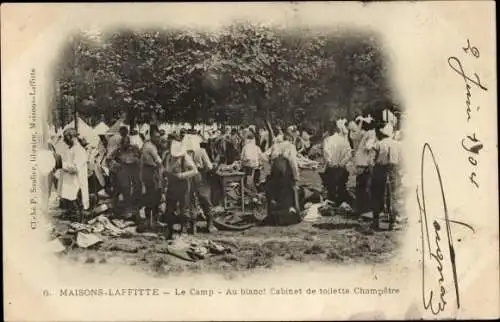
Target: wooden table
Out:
[227,179]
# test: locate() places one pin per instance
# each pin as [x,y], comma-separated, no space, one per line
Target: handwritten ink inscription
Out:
[434,292]
[438,252]
[471,144]
[439,268]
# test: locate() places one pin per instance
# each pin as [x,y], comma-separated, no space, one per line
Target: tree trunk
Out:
[131,118]
[75,115]
[270,129]
[265,107]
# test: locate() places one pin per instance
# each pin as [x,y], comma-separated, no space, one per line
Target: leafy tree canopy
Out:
[244,73]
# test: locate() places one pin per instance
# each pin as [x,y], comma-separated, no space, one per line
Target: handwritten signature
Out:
[434,294]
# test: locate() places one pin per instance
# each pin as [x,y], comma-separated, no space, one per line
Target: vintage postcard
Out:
[250,161]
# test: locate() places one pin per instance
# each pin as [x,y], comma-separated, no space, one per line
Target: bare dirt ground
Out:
[330,240]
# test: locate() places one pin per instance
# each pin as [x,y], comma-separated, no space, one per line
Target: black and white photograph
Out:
[266,161]
[183,150]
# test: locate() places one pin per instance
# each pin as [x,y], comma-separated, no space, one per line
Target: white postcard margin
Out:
[420,39]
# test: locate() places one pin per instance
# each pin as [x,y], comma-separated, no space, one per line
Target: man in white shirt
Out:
[74,189]
[336,152]
[251,160]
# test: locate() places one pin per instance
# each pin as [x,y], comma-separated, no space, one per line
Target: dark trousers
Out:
[73,208]
[178,196]
[201,188]
[129,184]
[336,180]
[363,202]
[216,189]
[112,183]
[152,195]
[248,176]
[378,187]
[280,198]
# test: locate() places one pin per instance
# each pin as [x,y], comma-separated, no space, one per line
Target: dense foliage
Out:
[244,73]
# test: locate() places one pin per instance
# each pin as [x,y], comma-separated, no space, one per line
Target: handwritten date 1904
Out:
[470,144]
